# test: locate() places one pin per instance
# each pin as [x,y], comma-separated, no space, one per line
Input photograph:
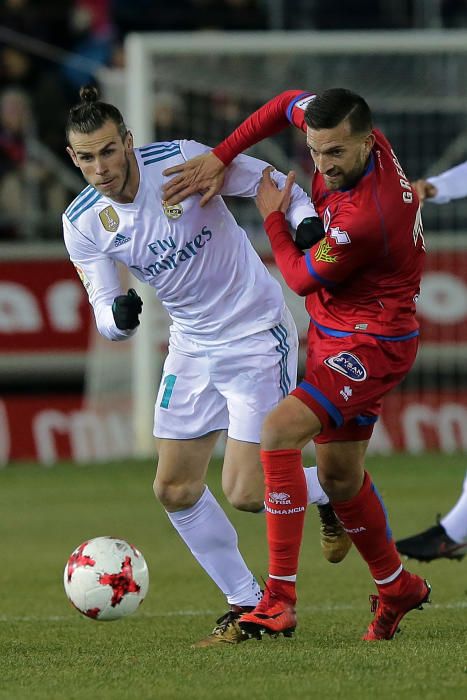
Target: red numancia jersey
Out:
[364,275]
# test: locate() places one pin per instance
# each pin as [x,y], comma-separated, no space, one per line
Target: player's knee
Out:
[275,434]
[289,426]
[338,485]
[175,495]
[243,498]
[331,482]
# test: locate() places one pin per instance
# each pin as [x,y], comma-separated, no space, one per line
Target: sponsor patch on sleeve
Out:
[341,237]
[323,252]
[348,364]
[85,280]
[304,102]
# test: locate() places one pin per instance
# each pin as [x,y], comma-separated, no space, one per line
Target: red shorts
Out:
[346,378]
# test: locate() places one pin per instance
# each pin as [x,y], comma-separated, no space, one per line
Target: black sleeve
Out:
[309,232]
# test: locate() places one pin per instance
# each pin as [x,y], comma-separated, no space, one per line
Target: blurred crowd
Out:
[40,76]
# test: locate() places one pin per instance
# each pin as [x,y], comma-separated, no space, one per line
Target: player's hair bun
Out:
[89,93]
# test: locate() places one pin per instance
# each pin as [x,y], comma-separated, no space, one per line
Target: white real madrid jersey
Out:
[199,260]
[451,184]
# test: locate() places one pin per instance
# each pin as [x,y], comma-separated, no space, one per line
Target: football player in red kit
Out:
[361,282]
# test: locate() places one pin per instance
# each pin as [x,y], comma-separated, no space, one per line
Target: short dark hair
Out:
[91,114]
[331,107]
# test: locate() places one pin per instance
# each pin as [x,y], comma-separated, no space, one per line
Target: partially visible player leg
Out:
[285,432]
[188,405]
[242,475]
[445,540]
[264,373]
[316,495]
[243,484]
[263,370]
[455,522]
[203,525]
[335,542]
[360,508]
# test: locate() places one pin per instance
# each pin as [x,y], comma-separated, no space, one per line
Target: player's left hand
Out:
[269,197]
[125,309]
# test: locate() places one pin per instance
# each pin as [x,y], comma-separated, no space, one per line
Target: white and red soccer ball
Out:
[106,578]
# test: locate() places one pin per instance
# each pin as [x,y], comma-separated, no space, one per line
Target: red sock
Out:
[285,500]
[283,589]
[365,520]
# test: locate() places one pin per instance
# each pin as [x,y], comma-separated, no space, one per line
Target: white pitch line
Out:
[456,605]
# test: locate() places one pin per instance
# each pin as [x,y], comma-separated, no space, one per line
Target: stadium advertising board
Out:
[442,307]
[49,429]
[45,315]
[43,308]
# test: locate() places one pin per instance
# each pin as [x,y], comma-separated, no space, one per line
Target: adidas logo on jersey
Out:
[120,239]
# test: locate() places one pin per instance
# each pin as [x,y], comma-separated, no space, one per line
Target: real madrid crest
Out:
[172,211]
[109,219]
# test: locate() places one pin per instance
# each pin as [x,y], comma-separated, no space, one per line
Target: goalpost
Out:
[415,84]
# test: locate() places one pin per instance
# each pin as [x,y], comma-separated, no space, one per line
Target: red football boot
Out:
[274,615]
[390,609]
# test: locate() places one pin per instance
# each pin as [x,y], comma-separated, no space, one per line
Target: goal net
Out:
[201,85]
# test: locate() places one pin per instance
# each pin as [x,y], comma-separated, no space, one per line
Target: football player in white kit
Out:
[233,344]
[448,538]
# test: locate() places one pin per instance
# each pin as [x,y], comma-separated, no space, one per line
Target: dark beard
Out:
[352,179]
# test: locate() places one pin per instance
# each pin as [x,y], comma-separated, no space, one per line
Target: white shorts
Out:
[231,386]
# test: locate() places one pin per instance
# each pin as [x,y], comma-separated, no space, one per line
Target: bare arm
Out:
[203,174]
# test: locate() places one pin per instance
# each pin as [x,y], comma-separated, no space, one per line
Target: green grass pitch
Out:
[48,651]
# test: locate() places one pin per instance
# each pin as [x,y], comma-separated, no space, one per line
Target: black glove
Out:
[126,308]
[309,232]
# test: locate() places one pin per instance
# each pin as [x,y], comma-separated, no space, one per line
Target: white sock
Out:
[292,578]
[455,522]
[315,492]
[212,539]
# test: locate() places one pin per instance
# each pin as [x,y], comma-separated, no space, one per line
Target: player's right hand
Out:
[126,308]
[204,174]
[424,189]
[269,197]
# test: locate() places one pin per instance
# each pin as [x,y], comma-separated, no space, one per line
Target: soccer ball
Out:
[106,578]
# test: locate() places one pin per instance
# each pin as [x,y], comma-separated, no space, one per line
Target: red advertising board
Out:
[420,421]
[442,307]
[47,429]
[51,428]
[43,307]
[44,312]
